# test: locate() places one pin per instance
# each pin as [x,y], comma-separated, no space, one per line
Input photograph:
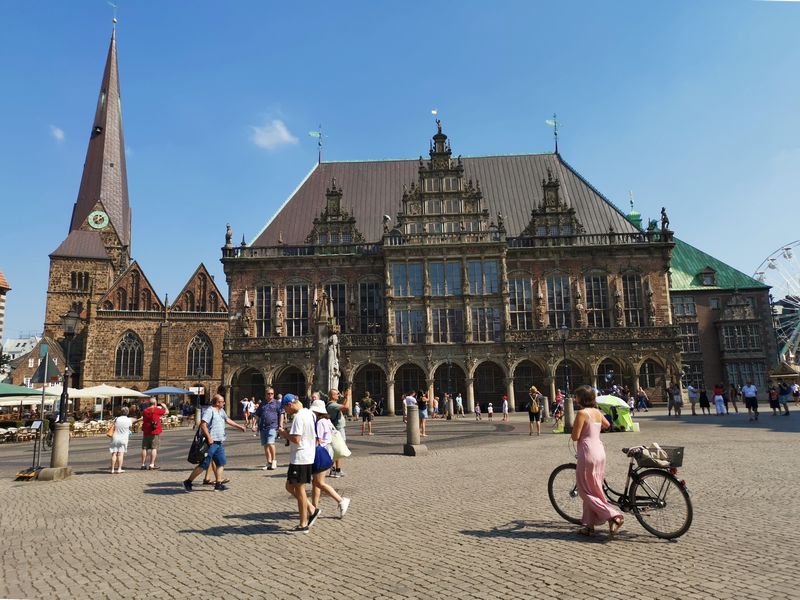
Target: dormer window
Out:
[708,276]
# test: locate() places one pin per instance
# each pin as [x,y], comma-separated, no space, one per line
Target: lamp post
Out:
[60,456]
[569,411]
[198,411]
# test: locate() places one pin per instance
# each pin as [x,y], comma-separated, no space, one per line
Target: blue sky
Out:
[693,105]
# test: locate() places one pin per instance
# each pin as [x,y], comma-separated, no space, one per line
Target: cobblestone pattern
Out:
[470,520]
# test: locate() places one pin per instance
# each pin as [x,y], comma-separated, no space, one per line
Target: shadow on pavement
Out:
[549,530]
[262,523]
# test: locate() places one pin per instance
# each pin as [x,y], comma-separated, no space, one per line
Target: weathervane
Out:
[114,13]
[554,124]
[435,113]
[318,134]
[630,193]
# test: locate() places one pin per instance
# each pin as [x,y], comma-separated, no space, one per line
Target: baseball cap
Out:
[288,399]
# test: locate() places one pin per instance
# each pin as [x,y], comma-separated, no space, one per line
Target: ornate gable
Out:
[440,201]
[200,294]
[334,226]
[131,291]
[738,308]
[552,218]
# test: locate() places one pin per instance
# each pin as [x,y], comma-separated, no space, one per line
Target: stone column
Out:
[59,458]
[431,392]
[470,399]
[412,446]
[450,406]
[552,381]
[510,393]
[389,407]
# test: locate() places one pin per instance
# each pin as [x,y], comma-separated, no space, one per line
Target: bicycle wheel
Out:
[563,491]
[47,441]
[661,504]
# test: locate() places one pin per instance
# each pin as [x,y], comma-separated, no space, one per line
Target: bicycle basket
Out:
[674,456]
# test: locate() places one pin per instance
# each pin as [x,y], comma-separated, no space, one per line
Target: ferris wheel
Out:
[781,271]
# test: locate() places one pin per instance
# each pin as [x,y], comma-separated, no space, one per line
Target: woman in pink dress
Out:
[592,465]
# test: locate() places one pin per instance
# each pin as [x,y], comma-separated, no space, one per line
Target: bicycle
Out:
[653,494]
[47,439]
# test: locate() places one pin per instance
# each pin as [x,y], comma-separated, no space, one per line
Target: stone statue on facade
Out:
[333,362]
[664,219]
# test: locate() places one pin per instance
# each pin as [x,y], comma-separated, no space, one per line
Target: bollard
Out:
[412,446]
[450,407]
[59,468]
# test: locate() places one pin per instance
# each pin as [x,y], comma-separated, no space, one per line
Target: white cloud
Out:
[57,133]
[272,135]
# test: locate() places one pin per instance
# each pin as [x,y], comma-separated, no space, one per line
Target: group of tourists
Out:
[122,429]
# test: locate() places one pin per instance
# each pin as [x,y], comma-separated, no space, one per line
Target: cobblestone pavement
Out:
[469,520]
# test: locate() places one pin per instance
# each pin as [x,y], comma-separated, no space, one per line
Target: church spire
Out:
[103,193]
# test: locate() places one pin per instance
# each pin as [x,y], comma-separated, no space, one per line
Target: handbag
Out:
[110,431]
[199,448]
[340,449]
[322,458]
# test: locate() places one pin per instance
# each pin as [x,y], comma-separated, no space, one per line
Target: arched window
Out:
[202,293]
[213,302]
[189,301]
[146,300]
[129,356]
[122,299]
[134,291]
[199,361]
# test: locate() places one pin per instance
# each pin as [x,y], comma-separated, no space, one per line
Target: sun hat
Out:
[318,406]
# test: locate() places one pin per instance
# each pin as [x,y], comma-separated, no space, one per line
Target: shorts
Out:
[268,436]
[537,416]
[366,418]
[299,474]
[783,399]
[423,414]
[216,452]
[751,403]
[150,442]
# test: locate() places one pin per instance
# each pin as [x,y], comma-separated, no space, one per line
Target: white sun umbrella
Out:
[107,391]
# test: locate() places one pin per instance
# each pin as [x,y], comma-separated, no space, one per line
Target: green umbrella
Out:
[6,389]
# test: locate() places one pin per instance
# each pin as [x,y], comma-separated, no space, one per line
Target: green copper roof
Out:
[688,262]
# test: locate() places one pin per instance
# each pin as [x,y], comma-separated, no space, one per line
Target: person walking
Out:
[505,408]
[478,416]
[784,393]
[459,405]
[212,424]
[591,465]
[423,403]
[795,394]
[734,394]
[267,417]
[677,399]
[490,412]
[705,405]
[367,413]
[119,441]
[324,432]
[151,429]
[641,400]
[534,407]
[750,393]
[302,443]
[772,394]
[694,396]
[337,408]
[719,401]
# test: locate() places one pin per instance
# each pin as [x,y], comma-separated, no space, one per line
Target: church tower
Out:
[97,246]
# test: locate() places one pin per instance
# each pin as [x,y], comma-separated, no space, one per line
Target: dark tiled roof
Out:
[511,185]
[105,175]
[688,262]
[4,282]
[82,244]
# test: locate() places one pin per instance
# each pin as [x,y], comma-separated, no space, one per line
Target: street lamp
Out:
[60,455]
[569,411]
[199,373]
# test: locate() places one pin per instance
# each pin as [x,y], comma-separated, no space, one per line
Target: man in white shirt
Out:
[302,442]
[411,398]
[694,396]
[750,393]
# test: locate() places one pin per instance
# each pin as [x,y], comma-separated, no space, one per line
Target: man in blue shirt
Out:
[268,418]
[212,424]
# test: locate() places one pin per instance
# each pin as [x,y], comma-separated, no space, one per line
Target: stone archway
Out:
[489,385]
[652,378]
[609,372]
[408,377]
[527,374]
[248,382]
[569,375]
[449,378]
[290,380]
[370,378]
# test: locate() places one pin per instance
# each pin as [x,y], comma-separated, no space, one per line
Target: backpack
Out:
[534,405]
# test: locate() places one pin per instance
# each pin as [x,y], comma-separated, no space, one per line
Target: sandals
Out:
[614,525]
[586,531]
[212,482]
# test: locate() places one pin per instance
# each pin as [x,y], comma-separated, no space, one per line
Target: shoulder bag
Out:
[199,448]
[340,449]
[110,431]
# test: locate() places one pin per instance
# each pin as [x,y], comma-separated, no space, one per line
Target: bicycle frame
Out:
[623,499]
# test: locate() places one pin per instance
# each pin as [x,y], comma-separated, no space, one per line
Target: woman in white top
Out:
[325,432]
[119,441]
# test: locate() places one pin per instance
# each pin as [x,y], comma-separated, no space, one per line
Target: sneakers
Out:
[299,529]
[153,468]
[274,464]
[312,519]
[343,506]
[187,485]
[267,467]
[220,487]
[334,474]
